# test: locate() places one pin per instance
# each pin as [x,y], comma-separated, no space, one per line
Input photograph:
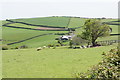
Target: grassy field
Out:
[14,34]
[22,25]
[48,21]
[38,42]
[50,63]
[21,34]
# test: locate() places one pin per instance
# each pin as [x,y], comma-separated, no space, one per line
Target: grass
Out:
[21,34]
[37,42]
[48,21]
[76,22]
[50,63]
[22,25]
[115,29]
[14,34]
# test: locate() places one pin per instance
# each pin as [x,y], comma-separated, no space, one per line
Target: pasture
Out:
[60,62]
[50,63]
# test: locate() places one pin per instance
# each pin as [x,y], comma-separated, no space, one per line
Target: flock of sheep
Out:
[81,47]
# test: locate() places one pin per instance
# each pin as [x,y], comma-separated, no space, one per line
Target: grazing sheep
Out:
[83,46]
[80,47]
[39,48]
[44,47]
[88,46]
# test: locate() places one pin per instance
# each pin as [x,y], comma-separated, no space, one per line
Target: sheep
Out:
[83,46]
[88,46]
[80,47]
[44,47]
[39,48]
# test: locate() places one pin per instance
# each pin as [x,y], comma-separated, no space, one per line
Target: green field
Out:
[50,63]
[13,34]
[48,21]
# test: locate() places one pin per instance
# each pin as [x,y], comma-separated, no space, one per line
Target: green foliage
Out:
[77,40]
[109,67]
[93,29]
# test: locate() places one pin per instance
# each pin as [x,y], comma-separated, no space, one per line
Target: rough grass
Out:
[50,63]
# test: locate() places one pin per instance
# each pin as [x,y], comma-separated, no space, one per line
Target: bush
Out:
[16,48]
[4,47]
[108,68]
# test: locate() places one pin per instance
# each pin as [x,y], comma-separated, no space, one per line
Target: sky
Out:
[13,9]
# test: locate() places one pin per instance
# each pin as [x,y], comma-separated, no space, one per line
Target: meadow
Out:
[50,63]
[48,21]
[60,62]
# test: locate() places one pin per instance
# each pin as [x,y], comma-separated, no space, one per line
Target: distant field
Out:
[14,34]
[76,22]
[38,42]
[22,25]
[50,63]
[21,34]
[48,21]
[115,29]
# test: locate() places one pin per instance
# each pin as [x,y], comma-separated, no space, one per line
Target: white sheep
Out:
[84,46]
[39,48]
[88,46]
[44,47]
[80,47]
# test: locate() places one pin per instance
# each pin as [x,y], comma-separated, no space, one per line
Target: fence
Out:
[108,42]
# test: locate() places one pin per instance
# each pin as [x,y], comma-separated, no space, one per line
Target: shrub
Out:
[16,48]
[4,47]
[108,68]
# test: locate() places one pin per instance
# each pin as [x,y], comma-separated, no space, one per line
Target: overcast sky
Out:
[11,9]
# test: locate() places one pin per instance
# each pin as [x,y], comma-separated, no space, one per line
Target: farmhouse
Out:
[65,37]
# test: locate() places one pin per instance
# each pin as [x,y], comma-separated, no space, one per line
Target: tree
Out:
[93,29]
